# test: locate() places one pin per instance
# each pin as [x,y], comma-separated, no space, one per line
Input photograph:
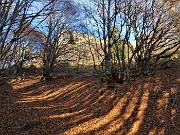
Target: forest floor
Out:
[149,105]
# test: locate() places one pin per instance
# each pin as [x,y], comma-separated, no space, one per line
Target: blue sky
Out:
[75,26]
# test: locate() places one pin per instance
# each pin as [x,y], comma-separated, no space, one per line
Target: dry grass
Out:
[84,106]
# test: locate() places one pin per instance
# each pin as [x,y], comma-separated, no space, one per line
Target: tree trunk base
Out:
[120,81]
[111,85]
[45,79]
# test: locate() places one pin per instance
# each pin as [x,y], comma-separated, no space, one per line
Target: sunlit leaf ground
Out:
[81,105]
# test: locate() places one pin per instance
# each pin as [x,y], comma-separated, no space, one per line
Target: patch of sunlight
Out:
[173,114]
[31,91]
[96,123]
[80,117]
[71,91]
[21,85]
[40,97]
[112,96]
[43,94]
[178,80]
[162,121]
[166,95]
[59,105]
[173,111]
[116,124]
[75,87]
[43,107]
[152,131]
[173,90]
[161,131]
[105,98]
[158,85]
[65,114]
[34,98]
[49,94]
[140,114]
[162,103]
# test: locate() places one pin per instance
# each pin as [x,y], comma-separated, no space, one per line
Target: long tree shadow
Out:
[158,115]
[145,111]
[82,101]
[113,119]
[121,112]
[145,118]
[125,113]
[86,106]
[69,102]
[132,111]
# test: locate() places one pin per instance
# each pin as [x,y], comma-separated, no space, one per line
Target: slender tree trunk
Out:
[109,52]
[108,63]
[47,70]
[123,61]
[89,43]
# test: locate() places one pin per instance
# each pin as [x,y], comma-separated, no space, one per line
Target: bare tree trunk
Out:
[46,73]
[108,59]
[94,62]
[123,62]
[108,64]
